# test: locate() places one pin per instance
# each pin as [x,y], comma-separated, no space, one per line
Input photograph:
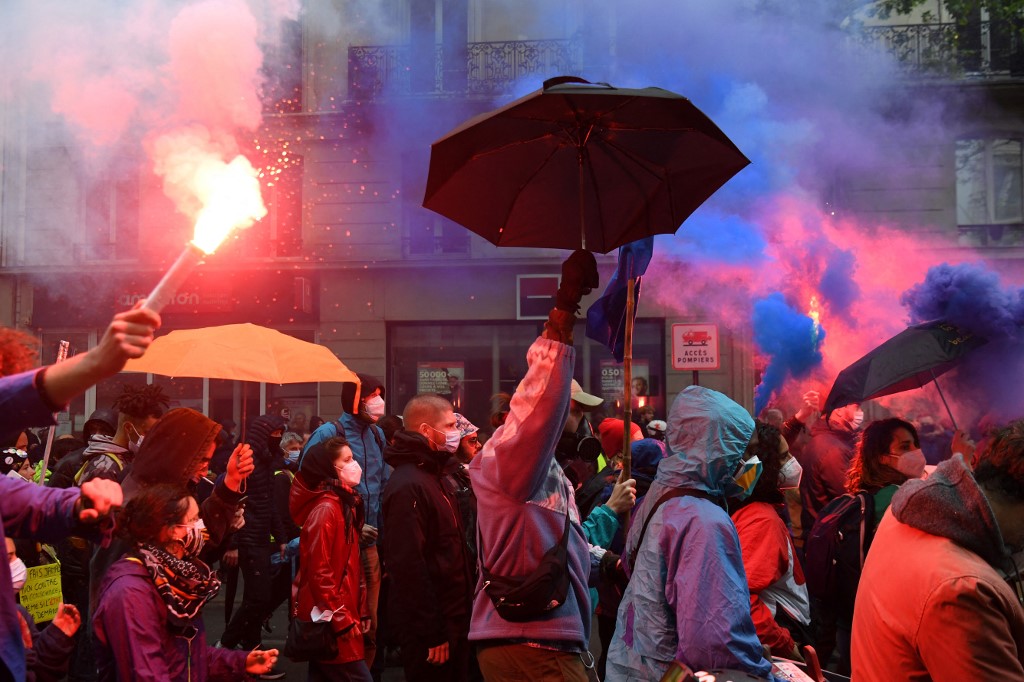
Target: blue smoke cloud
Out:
[968,296]
[789,339]
[710,236]
[974,299]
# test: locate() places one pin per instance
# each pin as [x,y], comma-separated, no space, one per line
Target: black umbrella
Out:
[907,361]
[580,165]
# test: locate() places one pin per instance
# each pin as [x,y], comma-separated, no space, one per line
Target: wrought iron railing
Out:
[491,67]
[977,48]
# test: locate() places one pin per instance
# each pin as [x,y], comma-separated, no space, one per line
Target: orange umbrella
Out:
[243,352]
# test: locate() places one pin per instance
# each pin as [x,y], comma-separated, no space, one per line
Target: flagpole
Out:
[627,377]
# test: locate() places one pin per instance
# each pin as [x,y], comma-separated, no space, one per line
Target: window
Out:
[989,182]
[470,362]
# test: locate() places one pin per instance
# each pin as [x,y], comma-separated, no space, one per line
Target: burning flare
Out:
[229,198]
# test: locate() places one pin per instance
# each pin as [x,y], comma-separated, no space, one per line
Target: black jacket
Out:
[423,547]
[261,516]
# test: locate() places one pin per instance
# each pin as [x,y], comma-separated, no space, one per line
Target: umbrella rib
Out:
[508,145]
[522,185]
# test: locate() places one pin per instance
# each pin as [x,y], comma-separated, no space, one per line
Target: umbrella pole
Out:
[583,230]
[948,411]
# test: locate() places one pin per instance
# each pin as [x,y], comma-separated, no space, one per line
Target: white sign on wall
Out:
[695,346]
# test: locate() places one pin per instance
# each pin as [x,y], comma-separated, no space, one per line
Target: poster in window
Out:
[444,378]
[612,374]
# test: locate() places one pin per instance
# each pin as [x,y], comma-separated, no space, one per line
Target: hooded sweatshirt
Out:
[931,604]
[103,458]
[262,519]
[523,498]
[171,453]
[687,598]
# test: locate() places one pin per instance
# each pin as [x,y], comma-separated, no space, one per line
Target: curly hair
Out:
[19,351]
[1001,465]
[867,471]
[141,402]
[767,450]
[150,511]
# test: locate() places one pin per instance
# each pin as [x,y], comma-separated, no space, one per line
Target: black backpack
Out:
[835,550]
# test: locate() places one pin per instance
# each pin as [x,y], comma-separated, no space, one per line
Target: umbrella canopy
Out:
[244,352]
[580,165]
[907,361]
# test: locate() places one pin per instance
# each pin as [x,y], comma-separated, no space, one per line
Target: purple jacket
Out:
[134,642]
[27,510]
[522,499]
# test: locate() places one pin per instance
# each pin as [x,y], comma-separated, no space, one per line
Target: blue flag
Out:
[606,319]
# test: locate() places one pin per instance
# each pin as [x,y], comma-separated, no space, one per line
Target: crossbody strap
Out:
[666,496]
[486,573]
[344,571]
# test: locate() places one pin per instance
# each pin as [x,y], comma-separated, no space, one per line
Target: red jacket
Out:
[774,578]
[330,571]
[931,604]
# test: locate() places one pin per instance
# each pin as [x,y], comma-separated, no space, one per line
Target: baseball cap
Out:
[584,398]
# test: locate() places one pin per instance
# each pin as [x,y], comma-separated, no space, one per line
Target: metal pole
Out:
[696,378]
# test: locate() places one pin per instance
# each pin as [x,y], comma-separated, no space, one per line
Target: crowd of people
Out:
[487,553]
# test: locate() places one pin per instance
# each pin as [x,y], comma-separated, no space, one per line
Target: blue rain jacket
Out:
[687,598]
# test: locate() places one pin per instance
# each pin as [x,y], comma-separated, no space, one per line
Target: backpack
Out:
[835,550]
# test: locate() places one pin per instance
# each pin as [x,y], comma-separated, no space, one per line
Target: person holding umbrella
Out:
[526,505]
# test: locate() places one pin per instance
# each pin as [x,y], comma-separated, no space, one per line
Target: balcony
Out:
[981,48]
[492,68]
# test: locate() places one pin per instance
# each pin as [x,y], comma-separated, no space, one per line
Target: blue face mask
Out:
[747,476]
[293,455]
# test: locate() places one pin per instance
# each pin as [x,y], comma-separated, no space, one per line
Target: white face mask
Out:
[910,463]
[451,439]
[350,473]
[790,474]
[18,574]
[375,407]
[133,445]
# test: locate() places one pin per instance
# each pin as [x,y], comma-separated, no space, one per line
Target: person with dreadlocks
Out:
[139,408]
[147,623]
[328,587]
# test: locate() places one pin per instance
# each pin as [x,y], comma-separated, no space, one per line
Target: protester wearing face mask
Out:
[887,455]
[933,603]
[367,441]
[15,464]
[47,651]
[431,576]
[825,459]
[779,605]
[147,623]
[687,598]
[329,583]
[283,567]
[265,532]
[139,408]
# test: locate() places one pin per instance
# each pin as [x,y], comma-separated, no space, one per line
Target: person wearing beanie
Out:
[367,441]
[611,432]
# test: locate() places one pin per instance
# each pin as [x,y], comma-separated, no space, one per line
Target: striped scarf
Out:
[184,584]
